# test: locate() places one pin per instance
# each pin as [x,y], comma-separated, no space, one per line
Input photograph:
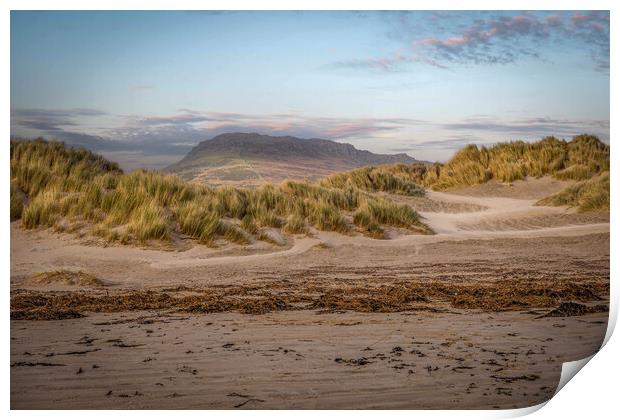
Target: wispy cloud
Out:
[449,143]
[178,132]
[194,124]
[50,120]
[485,42]
[385,65]
[494,40]
[382,64]
[499,40]
[489,127]
[593,29]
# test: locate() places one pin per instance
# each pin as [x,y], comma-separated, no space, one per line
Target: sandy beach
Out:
[480,315]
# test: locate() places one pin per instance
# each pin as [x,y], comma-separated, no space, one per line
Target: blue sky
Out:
[424,83]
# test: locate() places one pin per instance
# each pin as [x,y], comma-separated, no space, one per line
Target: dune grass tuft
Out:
[396,179]
[18,200]
[295,224]
[234,233]
[579,159]
[66,277]
[589,195]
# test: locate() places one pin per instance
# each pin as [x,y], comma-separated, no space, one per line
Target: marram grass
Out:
[579,159]
[589,195]
[72,189]
[68,189]
[396,179]
[582,158]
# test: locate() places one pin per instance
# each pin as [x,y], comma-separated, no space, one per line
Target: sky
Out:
[150,85]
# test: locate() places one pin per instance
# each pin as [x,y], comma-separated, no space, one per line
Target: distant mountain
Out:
[251,158]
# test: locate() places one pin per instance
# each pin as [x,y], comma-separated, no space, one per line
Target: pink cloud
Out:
[494,41]
[579,18]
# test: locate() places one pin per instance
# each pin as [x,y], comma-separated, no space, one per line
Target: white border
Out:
[592,393]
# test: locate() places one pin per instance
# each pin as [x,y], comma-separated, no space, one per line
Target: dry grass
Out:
[18,201]
[578,159]
[581,158]
[66,277]
[396,179]
[590,195]
[53,186]
[295,224]
[62,188]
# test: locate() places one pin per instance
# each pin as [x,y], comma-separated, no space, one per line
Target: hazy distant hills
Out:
[251,159]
